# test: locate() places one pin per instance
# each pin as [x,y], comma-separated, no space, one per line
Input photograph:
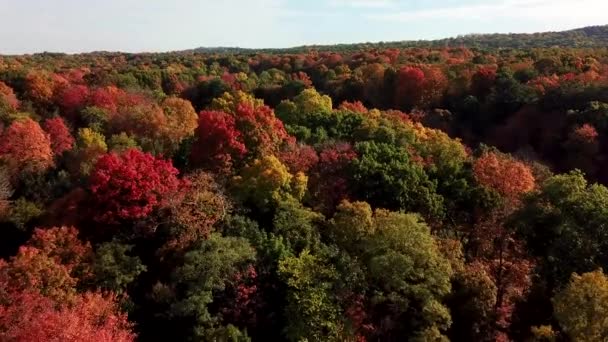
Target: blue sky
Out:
[28,26]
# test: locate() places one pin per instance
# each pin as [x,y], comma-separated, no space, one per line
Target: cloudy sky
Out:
[28,26]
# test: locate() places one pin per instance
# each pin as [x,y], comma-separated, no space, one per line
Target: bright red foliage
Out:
[26,147]
[107,98]
[73,98]
[219,142]
[131,185]
[299,158]
[31,317]
[61,138]
[262,132]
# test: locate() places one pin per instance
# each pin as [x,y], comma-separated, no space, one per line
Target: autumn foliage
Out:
[25,147]
[61,138]
[375,192]
[131,185]
[508,177]
[31,317]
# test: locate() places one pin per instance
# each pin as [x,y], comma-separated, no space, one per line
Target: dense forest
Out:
[587,37]
[364,194]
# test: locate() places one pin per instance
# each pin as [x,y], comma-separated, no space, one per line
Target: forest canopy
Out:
[451,191]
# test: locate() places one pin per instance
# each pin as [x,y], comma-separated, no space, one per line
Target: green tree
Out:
[385,176]
[114,268]
[563,224]
[408,276]
[206,271]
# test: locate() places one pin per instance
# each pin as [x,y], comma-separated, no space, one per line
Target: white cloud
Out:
[550,13]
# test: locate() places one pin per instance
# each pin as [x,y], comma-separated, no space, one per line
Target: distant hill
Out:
[587,37]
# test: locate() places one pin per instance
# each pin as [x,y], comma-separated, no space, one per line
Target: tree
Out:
[510,178]
[206,271]
[146,122]
[419,87]
[218,143]
[406,274]
[329,179]
[90,145]
[299,158]
[306,103]
[582,307]
[582,149]
[29,316]
[263,133]
[63,246]
[32,270]
[352,224]
[562,225]
[39,87]
[8,99]
[193,215]
[267,182]
[385,176]
[483,81]
[130,186]
[61,139]
[312,311]
[107,98]
[114,268]
[73,98]
[298,226]
[230,101]
[181,119]
[26,148]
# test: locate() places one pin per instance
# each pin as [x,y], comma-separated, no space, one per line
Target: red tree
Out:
[328,183]
[507,176]
[26,147]
[73,98]
[31,317]
[62,245]
[262,132]
[409,87]
[61,139]
[299,158]
[218,141]
[131,185]
[107,98]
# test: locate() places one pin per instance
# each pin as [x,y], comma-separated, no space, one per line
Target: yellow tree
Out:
[582,307]
[267,182]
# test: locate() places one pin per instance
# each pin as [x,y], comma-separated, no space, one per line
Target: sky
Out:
[72,26]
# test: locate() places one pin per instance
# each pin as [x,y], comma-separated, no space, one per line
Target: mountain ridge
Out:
[585,37]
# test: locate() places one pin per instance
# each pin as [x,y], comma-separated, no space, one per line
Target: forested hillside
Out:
[416,194]
[587,37]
